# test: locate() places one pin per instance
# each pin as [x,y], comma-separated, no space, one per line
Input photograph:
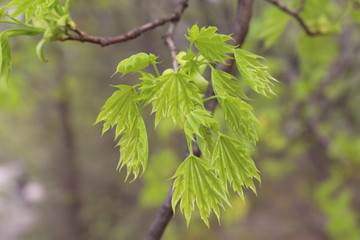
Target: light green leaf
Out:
[191,63]
[241,119]
[226,84]
[210,44]
[254,72]
[121,110]
[147,86]
[274,24]
[40,50]
[199,123]
[195,67]
[39,8]
[134,148]
[323,16]
[135,63]
[2,13]
[196,183]
[234,165]
[175,96]
[5,57]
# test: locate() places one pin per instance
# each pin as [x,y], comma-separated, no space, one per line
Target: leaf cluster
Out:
[50,18]
[177,94]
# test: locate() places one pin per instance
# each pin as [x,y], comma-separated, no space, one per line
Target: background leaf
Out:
[5,57]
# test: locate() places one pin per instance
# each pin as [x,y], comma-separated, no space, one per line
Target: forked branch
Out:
[295,14]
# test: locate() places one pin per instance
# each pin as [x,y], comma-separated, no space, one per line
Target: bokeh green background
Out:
[65,181]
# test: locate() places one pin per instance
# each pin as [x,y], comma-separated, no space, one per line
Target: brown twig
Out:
[106,41]
[242,23]
[169,41]
[295,14]
[300,7]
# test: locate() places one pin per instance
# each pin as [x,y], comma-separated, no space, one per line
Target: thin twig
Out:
[295,14]
[106,41]
[169,41]
[242,22]
[300,7]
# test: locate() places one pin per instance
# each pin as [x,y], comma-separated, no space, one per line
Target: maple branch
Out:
[295,14]
[241,27]
[169,41]
[134,33]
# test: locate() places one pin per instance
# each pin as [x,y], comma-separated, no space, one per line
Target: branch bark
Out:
[241,27]
[134,33]
[295,14]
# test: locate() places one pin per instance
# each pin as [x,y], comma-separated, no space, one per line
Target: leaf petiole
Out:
[156,69]
[209,98]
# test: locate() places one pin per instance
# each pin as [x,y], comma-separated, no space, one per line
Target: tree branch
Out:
[241,27]
[295,14]
[134,33]
[169,41]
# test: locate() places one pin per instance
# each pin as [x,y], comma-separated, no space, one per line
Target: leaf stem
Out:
[209,98]
[156,70]
[8,21]
[17,22]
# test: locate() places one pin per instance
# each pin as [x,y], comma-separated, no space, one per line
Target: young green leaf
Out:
[135,63]
[39,8]
[121,110]
[2,13]
[199,123]
[40,50]
[226,84]
[191,63]
[175,96]
[147,86]
[5,57]
[134,148]
[195,67]
[234,165]
[196,183]
[241,119]
[254,72]
[274,24]
[210,44]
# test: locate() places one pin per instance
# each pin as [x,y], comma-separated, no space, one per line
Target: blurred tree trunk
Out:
[65,165]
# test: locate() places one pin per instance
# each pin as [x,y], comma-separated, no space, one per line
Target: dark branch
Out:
[161,220]
[105,41]
[242,22]
[295,14]
[241,27]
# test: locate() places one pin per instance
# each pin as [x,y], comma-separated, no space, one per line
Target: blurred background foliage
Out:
[58,176]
